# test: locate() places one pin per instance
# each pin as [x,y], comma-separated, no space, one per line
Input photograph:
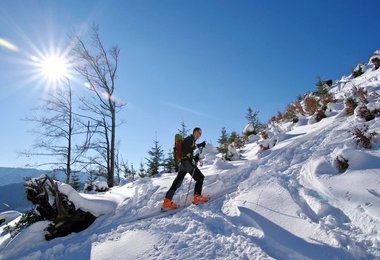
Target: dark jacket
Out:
[188,146]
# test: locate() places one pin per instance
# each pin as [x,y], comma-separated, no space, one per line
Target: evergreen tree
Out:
[236,139]
[133,172]
[142,172]
[126,170]
[170,163]
[75,183]
[233,137]
[322,89]
[155,161]
[252,118]
[184,131]
[223,142]
[92,177]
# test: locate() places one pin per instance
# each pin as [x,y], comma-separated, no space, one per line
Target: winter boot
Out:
[168,204]
[199,199]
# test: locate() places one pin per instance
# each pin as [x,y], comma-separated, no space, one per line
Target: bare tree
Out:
[99,68]
[56,128]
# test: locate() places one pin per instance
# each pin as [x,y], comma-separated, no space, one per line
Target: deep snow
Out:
[288,202]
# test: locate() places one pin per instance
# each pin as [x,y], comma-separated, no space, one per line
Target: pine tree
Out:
[142,172]
[155,161]
[252,118]
[132,172]
[223,143]
[184,131]
[322,85]
[91,178]
[75,183]
[126,170]
[170,163]
[236,139]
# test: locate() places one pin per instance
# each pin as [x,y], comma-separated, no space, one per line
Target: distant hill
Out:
[17,175]
[12,197]
[12,192]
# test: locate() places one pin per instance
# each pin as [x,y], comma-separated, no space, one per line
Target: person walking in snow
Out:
[188,165]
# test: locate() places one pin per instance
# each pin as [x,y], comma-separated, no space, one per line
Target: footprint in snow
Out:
[348,195]
[374,193]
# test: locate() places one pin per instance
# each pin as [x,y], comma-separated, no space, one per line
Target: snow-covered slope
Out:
[288,202]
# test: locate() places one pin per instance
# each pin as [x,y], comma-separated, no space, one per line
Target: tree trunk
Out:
[113,136]
[68,162]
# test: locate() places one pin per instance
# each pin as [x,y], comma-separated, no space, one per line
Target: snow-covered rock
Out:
[248,129]
[208,154]
[8,216]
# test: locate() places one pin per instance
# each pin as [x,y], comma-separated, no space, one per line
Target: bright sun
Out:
[54,68]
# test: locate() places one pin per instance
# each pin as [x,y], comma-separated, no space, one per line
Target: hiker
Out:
[188,165]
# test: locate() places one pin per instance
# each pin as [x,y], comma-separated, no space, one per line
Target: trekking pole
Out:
[188,190]
[192,177]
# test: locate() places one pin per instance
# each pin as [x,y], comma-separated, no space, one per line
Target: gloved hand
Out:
[196,158]
[203,144]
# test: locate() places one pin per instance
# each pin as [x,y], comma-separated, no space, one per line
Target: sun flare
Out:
[50,68]
[54,68]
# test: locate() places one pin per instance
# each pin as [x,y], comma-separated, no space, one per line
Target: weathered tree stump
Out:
[53,205]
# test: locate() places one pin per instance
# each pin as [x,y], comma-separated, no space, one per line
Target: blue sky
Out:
[201,62]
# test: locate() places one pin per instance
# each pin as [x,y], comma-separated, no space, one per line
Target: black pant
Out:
[187,167]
